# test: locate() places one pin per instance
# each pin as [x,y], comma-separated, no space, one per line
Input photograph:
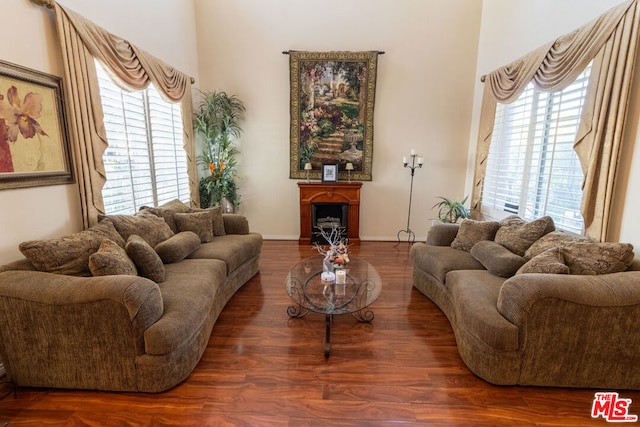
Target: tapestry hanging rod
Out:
[286,52]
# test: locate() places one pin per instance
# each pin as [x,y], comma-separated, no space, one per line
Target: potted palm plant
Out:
[217,121]
[450,210]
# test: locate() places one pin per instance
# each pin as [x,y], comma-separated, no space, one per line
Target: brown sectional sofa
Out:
[122,332]
[533,327]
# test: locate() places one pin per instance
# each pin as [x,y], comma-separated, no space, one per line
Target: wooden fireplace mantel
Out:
[330,192]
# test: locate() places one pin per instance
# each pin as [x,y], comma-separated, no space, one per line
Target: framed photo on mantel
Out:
[329,173]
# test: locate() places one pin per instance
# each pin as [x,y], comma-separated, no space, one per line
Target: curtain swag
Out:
[133,68]
[610,43]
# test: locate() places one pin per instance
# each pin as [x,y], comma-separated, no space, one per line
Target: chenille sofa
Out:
[533,306]
[127,305]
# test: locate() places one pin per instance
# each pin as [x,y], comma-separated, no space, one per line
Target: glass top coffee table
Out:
[361,288]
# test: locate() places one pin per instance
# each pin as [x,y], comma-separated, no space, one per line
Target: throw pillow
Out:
[111,259]
[518,235]
[198,222]
[597,257]
[69,254]
[147,261]
[153,229]
[167,211]
[217,222]
[551,240]
[472,232]
[178,247]
[550,261]
[496,258]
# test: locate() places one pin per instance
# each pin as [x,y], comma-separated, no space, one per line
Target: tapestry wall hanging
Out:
[34,147]
[332,100]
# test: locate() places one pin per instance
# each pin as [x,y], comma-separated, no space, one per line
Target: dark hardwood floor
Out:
[262,368]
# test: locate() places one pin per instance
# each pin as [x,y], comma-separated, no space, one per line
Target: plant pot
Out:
[226,205]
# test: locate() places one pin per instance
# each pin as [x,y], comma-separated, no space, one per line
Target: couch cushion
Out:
[496,258]
[551,240]
[146,259]
[151,228]
[111,259]
[188,294]
[597,257]
[233,249]
[475,300]
[517,235]
[439,260]
[472,232]
[69,254]
[167,210]
[177,247]
[198,222]
[550,261]
[217,221]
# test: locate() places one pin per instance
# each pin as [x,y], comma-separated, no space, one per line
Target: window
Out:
[532,169]
[145,162]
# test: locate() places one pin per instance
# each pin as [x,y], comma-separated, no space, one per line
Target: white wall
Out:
[512,28]
[163,28]
[423,98]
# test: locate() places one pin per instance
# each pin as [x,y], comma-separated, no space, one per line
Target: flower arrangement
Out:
[336,255]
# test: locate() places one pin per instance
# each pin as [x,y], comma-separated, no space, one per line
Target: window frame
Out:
[544,140]
[150,134]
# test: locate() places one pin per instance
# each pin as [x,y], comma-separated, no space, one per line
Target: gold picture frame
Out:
[34,144]
[332,101]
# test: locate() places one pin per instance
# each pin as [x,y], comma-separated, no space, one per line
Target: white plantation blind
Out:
[532,169]
[145,162]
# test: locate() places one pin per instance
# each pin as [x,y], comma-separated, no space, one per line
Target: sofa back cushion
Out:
[472,232]
[550,261]
[554,239]
[597,257]
[166,211]
[518,235]
[151,228]
[69,254]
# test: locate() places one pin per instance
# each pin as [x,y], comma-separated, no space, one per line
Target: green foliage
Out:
[452,210]
[217,121]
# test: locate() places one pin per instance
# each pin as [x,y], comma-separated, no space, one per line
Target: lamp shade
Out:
[349,167]
[307,166]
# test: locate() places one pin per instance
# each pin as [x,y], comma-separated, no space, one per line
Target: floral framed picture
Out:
[332,99]
[34,144]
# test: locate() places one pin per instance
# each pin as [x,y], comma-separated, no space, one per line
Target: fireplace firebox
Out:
[326,217]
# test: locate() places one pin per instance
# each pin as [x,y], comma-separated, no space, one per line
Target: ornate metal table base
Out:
[353,297]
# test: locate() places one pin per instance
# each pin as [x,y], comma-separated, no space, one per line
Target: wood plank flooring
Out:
[262,368]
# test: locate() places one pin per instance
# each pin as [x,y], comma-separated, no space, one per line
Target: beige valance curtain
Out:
[81,42]
[610,41]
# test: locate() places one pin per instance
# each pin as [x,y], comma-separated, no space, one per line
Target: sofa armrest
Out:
[442,234]
[235,224]
[75,332]
[519,294]
[575,331]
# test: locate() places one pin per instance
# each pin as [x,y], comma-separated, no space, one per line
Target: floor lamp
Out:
[411,237]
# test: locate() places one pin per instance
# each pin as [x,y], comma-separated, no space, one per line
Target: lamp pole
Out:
[411,237]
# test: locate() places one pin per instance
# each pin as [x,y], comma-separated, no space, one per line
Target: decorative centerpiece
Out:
[336,255]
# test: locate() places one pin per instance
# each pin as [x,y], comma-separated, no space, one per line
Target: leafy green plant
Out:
[451,211]
[217,121]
